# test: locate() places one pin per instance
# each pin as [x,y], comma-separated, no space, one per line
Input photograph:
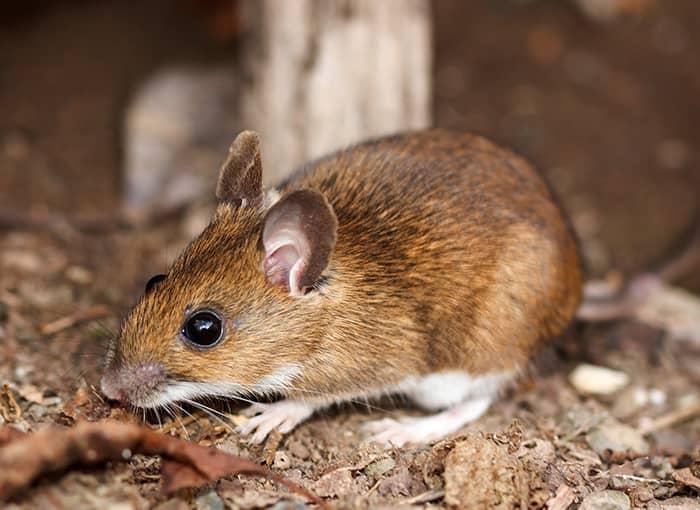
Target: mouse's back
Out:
[458,235]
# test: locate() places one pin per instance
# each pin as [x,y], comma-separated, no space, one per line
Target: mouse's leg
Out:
[465,398]
[283,416]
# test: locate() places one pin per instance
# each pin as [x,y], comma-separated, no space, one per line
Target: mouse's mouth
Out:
[148,386]
[189,392]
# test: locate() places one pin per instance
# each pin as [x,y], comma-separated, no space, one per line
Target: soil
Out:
[607,110]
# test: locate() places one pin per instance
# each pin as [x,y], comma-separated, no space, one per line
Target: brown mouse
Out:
[431,264]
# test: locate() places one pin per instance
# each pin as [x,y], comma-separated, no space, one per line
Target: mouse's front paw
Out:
[264,418]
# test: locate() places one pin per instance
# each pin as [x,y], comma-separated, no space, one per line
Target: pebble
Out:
[633,399]
[281,461]
[596,380]
[617,437]
[336,483]
[289,505]
[379,467]
[209,501]
[173,504]
[675,503]
[606,500]
[298,450]
[79,275]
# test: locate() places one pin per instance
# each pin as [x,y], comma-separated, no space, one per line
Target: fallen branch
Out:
[185,464]
[669,419]
[88,314]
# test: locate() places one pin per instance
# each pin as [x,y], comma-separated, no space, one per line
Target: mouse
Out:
[431,264]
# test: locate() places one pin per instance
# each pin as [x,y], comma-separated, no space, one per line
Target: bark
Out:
[322,74]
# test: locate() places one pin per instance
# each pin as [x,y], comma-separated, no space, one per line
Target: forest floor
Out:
[609,112]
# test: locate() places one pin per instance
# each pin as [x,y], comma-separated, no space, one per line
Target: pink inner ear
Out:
[278,264]
[284,261]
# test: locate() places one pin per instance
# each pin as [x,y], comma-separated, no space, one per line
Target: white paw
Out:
[427,429]
[403,431]
[264,418]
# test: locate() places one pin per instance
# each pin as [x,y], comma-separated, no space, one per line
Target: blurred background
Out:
[115,117]
[108,105]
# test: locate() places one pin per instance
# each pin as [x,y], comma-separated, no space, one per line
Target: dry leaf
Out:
[186,464]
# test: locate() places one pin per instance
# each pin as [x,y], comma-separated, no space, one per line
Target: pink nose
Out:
[133,384]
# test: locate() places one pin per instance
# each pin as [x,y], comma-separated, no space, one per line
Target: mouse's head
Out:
[237,312]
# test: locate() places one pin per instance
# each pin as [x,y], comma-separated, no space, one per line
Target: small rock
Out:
[398,484]
[592,379]
[671,442]
[687,478]
[379,467]
[336,483]
[630,401]
[674,310]
[563,498]
[281,460]
[173,504]
[209,501]
[79,275]
[642,495]
[616,437]
[31,393]
[481,472]
[606,500]
[298,450]
[289,505]
[675,503]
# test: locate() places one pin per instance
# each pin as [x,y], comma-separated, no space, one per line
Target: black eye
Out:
[203,328]
[153,281]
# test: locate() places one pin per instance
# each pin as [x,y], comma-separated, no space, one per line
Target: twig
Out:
[88,314]
[14,412]
[670,419]
[181,422]
[424,497]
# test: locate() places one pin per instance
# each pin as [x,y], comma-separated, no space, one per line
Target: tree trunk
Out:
[322,74]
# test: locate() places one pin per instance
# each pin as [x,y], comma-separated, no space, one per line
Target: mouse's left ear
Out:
[299,236]
[240,179]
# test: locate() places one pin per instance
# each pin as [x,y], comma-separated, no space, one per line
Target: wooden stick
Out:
[672,418]
[88,314]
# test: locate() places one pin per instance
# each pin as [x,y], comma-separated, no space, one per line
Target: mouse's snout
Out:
[137,385]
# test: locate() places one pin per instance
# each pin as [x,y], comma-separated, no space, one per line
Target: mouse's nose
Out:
[109,384]
[135,384]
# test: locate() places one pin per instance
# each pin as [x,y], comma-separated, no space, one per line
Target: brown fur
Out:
[450,254]
[241,174]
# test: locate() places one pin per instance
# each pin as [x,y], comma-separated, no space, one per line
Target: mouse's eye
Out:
[203,329]
[153,281]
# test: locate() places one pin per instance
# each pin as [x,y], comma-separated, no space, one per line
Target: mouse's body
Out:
[432,264]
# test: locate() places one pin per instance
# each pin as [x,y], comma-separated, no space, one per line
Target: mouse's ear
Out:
[299,236]
[240,178]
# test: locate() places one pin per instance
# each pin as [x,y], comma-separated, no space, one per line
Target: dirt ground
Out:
[608,111]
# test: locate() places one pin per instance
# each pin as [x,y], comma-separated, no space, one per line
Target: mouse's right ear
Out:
[240,179]
[299,236]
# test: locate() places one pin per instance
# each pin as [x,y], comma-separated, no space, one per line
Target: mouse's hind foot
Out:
[426,429]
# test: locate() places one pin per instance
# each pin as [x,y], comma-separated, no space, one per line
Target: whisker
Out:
[211,413]
[362,401]
[184,429]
